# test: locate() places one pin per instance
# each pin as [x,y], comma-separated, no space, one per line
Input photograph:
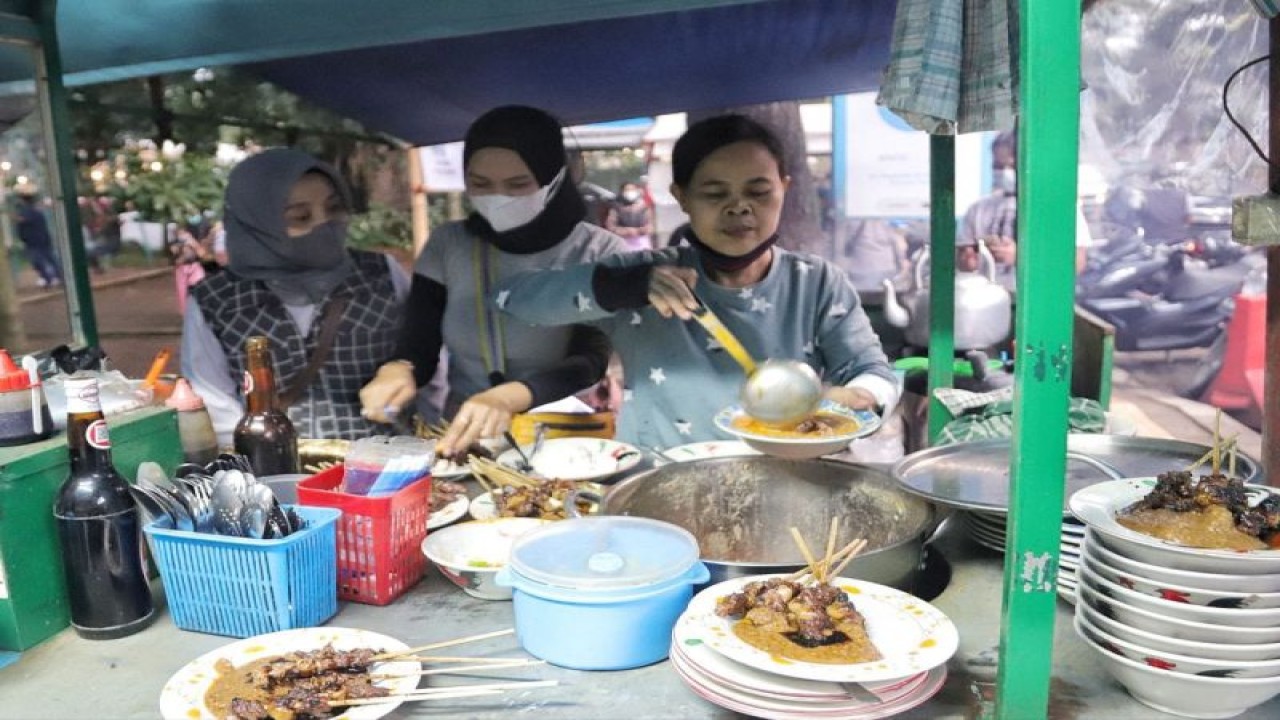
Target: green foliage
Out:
[380,227]
[180,188]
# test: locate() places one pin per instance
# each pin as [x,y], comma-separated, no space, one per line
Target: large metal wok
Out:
[741,510]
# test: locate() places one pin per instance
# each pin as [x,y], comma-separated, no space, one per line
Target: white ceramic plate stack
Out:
[1189,631]
[914,638]
[989,530]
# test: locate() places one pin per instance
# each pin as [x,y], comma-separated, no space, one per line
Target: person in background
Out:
[728,178]
[994,219]
[631,218]
[528,215]
[290,276]
[33,231]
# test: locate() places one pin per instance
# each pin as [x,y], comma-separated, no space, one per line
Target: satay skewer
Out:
[804,550]
[839,555]
[450,659]
[861,545]
[460,669]
[460,693]
[831,548]
[454,691]
[444,644]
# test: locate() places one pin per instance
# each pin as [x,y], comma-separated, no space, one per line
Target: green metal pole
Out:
[56,123]
[1048,134]
[942,274]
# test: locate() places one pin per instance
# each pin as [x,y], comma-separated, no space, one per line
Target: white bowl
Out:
[1168,626]
[1193,696]
[805,447]
[1099,559]
[1212,581]
[1174,662]
[1165,643]
[471,553]
[1098,504]
[1228,617]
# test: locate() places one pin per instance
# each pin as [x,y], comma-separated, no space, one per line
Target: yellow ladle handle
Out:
[717,330]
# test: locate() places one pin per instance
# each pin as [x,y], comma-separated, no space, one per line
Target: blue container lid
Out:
[604,553]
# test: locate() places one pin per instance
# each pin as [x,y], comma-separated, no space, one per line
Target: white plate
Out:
[868,422]
[686,640]
[751,698]
[446,469]
[183,696]
[911,635]
[577,458]
[1097,506]
[711,449]
[449,513]
[932,683]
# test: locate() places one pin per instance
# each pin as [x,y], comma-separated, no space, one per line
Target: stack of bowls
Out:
[915,641]
[989,530]
[1188,631]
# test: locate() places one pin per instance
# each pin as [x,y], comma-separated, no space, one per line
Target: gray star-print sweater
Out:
[677,377]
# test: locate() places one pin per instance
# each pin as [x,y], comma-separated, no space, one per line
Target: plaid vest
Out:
[237,309]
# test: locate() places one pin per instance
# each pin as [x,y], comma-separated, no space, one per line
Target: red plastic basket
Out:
[379,538]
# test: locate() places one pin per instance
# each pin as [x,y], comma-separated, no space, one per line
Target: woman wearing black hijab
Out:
[289,272]
[528,216]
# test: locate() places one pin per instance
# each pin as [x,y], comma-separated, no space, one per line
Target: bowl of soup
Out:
[830,429]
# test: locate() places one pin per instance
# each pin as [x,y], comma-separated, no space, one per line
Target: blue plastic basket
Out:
[242,587]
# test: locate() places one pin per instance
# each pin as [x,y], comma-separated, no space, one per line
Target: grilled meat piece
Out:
[1222,490]
[304,704]
[294,665]
[242,709]
[1174,490]
[731,605]
[770,620]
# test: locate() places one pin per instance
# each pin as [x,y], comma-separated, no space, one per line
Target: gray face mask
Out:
[321,249]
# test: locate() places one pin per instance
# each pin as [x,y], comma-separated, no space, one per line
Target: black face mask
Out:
[713,259]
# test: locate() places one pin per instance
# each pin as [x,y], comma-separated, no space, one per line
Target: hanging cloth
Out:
[953,65]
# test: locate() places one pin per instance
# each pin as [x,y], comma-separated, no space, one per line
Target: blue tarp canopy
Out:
[421,70]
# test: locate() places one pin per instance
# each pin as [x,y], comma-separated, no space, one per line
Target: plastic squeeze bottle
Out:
[195,427]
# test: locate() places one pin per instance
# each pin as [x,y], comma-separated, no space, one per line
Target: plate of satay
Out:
[510,493]
[330,670]
[319,673]
[816,625]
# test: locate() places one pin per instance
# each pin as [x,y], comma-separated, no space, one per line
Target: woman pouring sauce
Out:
[728,178]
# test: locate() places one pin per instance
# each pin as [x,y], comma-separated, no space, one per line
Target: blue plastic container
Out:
[241,587]
[601,593]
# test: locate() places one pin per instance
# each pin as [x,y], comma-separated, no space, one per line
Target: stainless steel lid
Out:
[975,475]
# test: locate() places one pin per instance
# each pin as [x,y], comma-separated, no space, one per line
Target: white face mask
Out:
[506,212]
[1005,180]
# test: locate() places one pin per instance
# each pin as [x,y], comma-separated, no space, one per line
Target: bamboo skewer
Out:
[831,548]
[1229,442]
[444,644]
[447,659]
[460,669]
[862,545]
[839,556]
[804,550]
[456,691]
[461,693]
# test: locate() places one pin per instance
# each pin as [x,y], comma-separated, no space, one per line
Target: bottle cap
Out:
[183,397]
[12,377]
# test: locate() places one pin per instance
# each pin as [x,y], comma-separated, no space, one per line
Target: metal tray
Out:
[975,475]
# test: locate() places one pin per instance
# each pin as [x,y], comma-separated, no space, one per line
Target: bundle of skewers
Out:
[516,494]
[319,683]
[806,606]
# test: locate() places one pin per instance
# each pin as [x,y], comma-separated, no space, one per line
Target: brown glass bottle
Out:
[265,435]
[98,528]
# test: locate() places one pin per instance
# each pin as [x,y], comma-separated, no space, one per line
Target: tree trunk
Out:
[800,228]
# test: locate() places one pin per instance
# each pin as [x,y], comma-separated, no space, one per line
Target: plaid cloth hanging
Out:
[953,65]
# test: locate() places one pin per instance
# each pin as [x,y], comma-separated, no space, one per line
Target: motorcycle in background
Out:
[1166,296]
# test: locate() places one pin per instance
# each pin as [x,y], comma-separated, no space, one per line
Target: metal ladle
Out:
[777,392]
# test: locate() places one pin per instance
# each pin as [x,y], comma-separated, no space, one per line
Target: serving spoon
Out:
[777,392]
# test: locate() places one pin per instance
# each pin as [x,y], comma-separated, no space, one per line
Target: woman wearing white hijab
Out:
[289,274]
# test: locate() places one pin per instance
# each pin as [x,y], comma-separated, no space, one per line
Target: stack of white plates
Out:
[989,530]
[1189,631]
[914,638]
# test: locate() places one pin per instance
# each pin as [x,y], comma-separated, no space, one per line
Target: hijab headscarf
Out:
[537,138]
[299,270]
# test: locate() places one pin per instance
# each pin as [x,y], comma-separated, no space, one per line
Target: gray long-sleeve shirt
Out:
[678,377]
